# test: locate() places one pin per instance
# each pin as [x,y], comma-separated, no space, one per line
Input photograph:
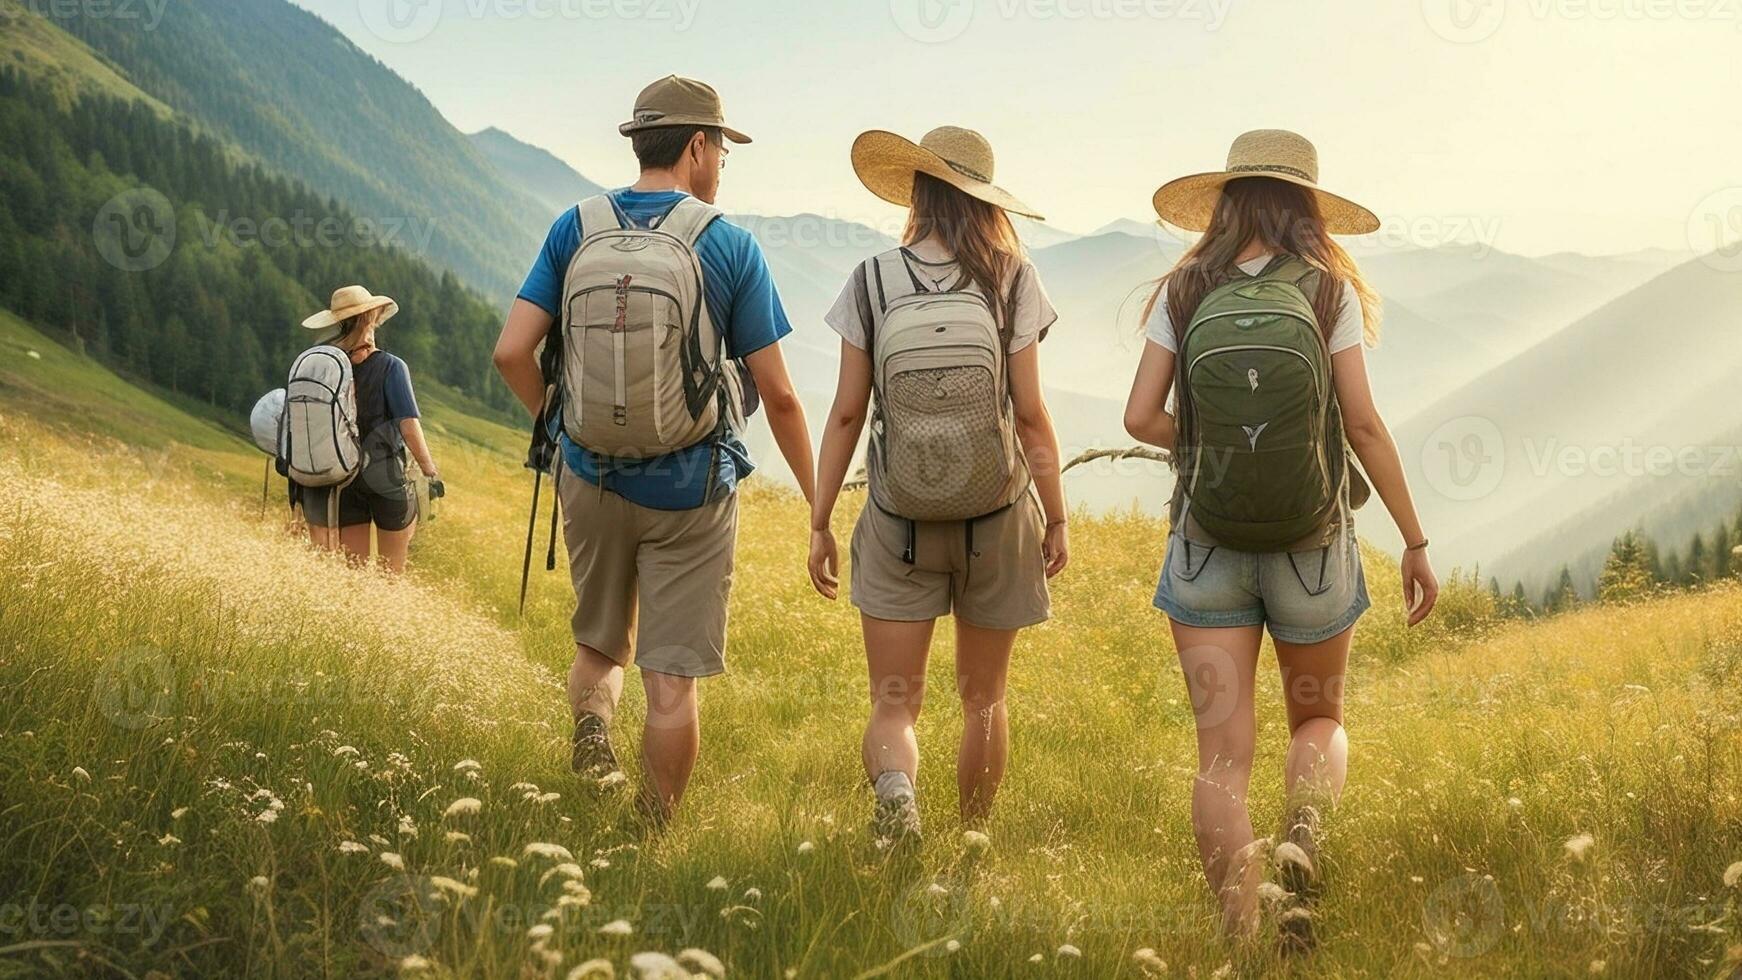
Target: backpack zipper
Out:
[620,325]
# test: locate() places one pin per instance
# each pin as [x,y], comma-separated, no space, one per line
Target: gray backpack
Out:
[644,366]
[943,436]
[319,443]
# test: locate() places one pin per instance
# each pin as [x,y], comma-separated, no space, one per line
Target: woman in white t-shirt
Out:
[910,566]
[1265,217]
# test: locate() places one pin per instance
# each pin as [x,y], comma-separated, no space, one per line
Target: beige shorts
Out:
[669,569]
[1000,584]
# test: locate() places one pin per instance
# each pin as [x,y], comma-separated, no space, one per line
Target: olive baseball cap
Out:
[677,101]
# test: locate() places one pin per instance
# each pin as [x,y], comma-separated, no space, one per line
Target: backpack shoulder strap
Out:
[597,214]
[688,219]
[888,278]
[1288,268]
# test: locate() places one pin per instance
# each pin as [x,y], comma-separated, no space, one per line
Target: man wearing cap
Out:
[651,541]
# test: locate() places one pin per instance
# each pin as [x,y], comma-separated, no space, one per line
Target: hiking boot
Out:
[593,757]
[895,822]
[1297,858]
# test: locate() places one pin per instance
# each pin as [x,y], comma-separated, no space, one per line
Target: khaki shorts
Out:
[671,569]
[1001,584]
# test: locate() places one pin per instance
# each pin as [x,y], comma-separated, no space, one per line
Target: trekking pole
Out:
[531,528]
[538,457]
[265,487]
[556,501]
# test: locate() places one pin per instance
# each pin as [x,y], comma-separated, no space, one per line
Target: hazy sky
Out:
[1534,125]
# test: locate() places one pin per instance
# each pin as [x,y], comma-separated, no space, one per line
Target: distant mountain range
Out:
[1559,350]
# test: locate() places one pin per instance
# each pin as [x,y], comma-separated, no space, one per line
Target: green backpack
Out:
[1262,461]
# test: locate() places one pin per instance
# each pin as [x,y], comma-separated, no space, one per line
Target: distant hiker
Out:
[1266,315]
[361,457]
[653,305]
[939,338]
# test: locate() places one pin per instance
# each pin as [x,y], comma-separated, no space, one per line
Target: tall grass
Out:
[223,754]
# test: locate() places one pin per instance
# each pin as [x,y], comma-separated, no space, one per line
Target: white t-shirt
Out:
[1030,316]
[1347,332]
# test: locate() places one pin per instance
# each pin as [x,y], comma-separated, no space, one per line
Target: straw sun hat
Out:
[1275,153]
[347,302]
[886,163]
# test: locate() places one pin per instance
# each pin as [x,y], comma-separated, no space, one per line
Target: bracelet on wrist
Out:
[1417,547]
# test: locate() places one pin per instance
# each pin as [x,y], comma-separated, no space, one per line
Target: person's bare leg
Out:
[1318,761]
[895,653]
[595,685]
[982,665]
[357,542]
[394,546]
[671,739]
[1219,667]
[324,538]
[1318,749]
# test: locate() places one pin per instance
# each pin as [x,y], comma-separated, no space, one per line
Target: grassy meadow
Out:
[224,754]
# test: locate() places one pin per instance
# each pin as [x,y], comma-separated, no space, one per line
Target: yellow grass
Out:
[221,753]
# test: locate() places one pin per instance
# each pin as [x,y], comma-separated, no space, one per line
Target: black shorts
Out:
[359,505]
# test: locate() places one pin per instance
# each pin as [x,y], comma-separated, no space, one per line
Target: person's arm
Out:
[840,438]
[1146,416]
[1374,447]
[516,354]
[412,431]
[785,414]
[1040,446]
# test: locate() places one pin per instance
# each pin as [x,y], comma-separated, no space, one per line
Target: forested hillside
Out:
[153,248]
[291,91]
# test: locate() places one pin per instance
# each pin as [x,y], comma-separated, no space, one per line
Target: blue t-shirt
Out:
[744,305]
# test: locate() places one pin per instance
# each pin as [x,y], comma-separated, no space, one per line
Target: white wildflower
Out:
[702,963]
[346,750]
[465,806]
[352,847]
[457,888]
[600,969]
[80,772]
[540,932]
[554,852]
[567,869]
[616,927]
[393,860]
[1733,875]
[719,883]
[467,765]
[169,840]
[1578,847]
[806,847]
[1069,952]
[976,842]
[657,966]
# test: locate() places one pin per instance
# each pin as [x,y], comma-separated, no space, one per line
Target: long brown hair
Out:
[1285,218]
[977,235]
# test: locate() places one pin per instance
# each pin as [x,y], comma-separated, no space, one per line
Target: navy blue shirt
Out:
[745,307]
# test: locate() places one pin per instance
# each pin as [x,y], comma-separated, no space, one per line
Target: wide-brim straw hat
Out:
[886,163]
[347,302]
[1190,202]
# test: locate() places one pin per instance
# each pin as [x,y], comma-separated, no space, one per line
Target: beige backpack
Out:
[943,436]
[644,371]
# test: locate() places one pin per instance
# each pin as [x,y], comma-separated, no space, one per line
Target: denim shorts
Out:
[1301,596]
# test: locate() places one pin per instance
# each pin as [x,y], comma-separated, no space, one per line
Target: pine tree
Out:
[1626,574]
[1694,571]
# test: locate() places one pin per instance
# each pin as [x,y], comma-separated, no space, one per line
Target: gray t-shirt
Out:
[1031,313]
